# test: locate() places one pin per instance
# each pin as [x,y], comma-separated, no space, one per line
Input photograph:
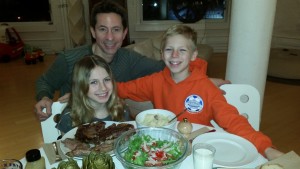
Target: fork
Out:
[177,115]
[57,156]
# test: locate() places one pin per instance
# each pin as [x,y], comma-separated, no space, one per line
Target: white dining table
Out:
[186,164]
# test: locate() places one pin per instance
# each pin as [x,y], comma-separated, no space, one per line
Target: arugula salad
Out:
[144,150]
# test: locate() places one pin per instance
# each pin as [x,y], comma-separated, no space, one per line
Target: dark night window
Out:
[24,11]
[182,9]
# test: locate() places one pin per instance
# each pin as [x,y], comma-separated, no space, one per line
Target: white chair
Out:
[49,131]
[246,99]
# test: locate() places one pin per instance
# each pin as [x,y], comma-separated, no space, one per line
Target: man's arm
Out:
[142,65]
[47,84]
[219,82]
[203,66]
[45,102]
[129,65]
[52,79]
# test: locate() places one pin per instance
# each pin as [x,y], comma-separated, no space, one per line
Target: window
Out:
[24,10]
[216,10]
[183,10]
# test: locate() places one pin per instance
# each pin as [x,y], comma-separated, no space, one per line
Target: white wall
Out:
[286,32]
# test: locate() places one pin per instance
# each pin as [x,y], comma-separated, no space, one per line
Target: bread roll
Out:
[271,166]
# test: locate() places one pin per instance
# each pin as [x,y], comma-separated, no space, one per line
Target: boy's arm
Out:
[272,153]
[137,90]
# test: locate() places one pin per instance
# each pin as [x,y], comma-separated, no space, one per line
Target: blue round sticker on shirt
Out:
[194,103]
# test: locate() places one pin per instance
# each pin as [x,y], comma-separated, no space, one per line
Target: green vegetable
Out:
[70,164]
[144,148]
[98,161]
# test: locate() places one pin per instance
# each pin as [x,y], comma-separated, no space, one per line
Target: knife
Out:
[198,132]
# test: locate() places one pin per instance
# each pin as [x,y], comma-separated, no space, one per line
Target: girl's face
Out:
[177,55]
[100,85]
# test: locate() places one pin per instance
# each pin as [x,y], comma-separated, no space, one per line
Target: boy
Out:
[183,84]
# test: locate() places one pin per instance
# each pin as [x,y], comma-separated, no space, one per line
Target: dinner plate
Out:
[231,150]
[71,134]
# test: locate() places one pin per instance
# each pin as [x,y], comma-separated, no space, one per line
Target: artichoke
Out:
[70,164]
[98,161]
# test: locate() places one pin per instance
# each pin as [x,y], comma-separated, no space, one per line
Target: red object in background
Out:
[33,54]
[11,44]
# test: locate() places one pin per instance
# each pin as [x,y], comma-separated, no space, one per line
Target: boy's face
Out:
[109,34]
[177,55]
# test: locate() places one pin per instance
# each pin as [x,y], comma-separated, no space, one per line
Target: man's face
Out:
[109,34]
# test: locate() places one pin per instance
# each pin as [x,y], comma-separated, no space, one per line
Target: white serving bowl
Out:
[161,113]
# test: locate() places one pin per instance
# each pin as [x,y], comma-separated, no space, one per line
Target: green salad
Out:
[144,150]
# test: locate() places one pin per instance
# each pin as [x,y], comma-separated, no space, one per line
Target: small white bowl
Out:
[160,112]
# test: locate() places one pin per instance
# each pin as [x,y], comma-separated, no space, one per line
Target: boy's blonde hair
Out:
[81,109]
[183,30]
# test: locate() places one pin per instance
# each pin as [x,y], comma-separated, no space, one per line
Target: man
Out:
[108,26]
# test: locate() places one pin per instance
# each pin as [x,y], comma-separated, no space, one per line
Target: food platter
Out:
[231,150]
[71,134]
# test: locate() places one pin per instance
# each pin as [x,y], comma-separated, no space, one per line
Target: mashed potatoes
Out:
[152,121]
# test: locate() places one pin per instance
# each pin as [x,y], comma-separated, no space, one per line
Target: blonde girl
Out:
[94,95]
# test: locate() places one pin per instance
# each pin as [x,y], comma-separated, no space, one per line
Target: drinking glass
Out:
[10,164]
[203,155]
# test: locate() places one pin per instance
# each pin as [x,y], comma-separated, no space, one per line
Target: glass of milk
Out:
[203,156]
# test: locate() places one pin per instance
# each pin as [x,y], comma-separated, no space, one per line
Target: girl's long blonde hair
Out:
[81,109]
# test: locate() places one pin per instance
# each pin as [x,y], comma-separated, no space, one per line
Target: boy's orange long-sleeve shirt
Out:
[205,101]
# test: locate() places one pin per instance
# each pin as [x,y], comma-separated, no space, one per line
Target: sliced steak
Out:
[88,132]
[78,152]
[103,148]
[72,143]
[102,138]
[112,132]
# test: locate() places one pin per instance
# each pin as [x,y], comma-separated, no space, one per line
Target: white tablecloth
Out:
[186,164]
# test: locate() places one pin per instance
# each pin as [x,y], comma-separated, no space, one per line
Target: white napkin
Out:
[50,152]
[290,160]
